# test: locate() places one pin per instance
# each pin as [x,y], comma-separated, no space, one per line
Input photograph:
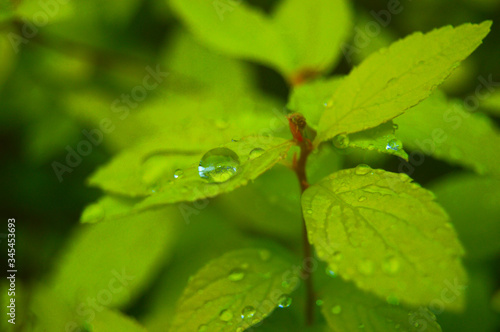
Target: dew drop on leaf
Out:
[248,312]
[319,302]
[395,126]
[226,315]
[391,265]
[336,309]
[309,211]
[330,273]
[179,173]
[284,301]
[255,153]
[341,141]
[362,169]
[394,144]
[236,275]
[218,165]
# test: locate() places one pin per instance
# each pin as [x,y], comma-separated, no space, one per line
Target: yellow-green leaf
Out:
[112,320]
[234,292]
[314,30]
[396,78]
[106,208]
[446,130]
[346,309]
[491,104]
[468,197]
[385,233]
[245,160]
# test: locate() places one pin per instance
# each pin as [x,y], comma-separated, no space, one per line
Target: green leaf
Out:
[385,233]
[112,320]
[468,197]
[397,78]
[118,257]
[314,30]
[243,282]
[225,27]
[191,187]
[445,130]
[346,308]
[311,98]
[107,208]
[381,139]
[7,10]
[491,104]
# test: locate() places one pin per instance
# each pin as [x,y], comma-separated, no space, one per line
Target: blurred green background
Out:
[65,76]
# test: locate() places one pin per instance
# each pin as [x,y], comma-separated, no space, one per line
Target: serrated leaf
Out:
[347,309]
[468,197]
[107,208]
[219,294]
[134,247]
[381,139]
[385,233]
[311,98]
[225,26]
[314,30]
[192,187]
[394,79]
[445,130]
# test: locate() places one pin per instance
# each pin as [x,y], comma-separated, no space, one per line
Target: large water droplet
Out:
[284,301]
[337,309]
[226,315]
[391,265]
[256,153]
[341,141]
[248,312]
[236,275]
[219,165]
[179,173]
[394,145]
[362,169]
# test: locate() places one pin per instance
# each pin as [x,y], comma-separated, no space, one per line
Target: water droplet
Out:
[179,173]
[226,315]
[284,301]
[362,169]
[391,265]
[309,211]
[394,144]
[257,152]
[341,141]
[248,312]
[366,267]
[395,126]
[202,328]
[319,302]
[265,255]
[218,165]
[362,198]
[236,275]
[336,309]
[330,273]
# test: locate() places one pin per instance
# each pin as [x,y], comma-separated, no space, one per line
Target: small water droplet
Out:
[179,173]
[202,328]
[362,198]
[226,315]
[284,301]
[319,302]
[336,309]
[330,273]
[236,275]
[256,153]
[395,126]
[248,312]
[218,165]
[265,255]
[391,265]
[309,211]
[394,145]
[341,141]
[362,169]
